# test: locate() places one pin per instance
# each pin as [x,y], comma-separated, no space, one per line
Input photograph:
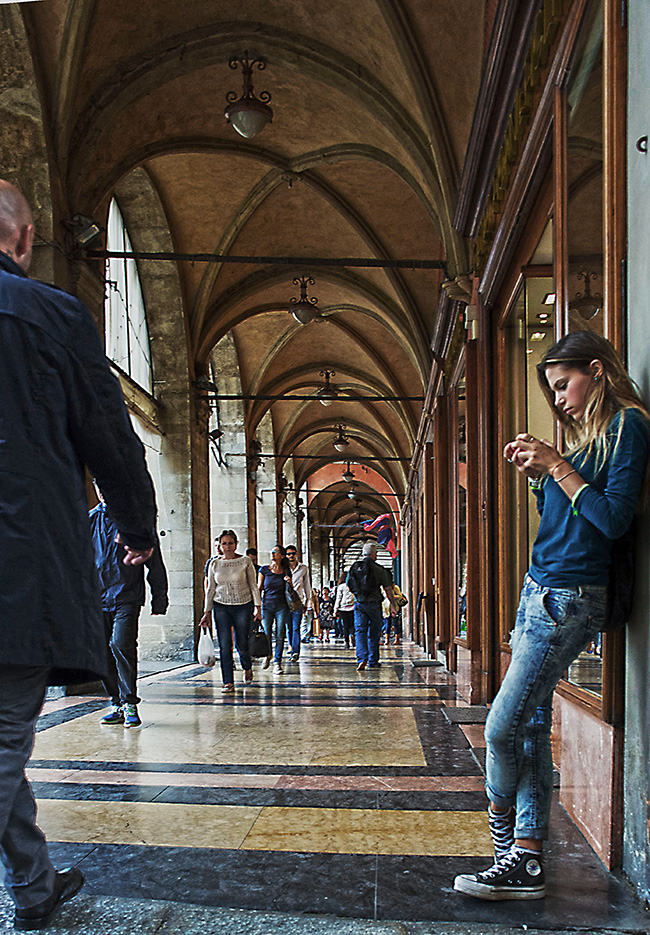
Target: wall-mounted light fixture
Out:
[304,309]
[248,114]
[82,230]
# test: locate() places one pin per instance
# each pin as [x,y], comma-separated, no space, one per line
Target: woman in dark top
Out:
[326,615]
[272,582]
[586,498]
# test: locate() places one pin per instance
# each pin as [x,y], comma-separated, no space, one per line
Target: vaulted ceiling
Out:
[373,102]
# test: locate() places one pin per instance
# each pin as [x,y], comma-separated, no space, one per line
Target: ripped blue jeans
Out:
[552,627]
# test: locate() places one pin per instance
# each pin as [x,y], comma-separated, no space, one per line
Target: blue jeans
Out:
[280,615]
[23,851]
[367,630]
[552,628]
[121,629]
[226,618]
[293,636]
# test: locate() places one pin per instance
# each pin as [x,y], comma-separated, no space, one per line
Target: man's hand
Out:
[133,556]
[136,556]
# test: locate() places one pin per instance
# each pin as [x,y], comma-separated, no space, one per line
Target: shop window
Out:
[528,332]
[127,335]
[584,232]
[461,510]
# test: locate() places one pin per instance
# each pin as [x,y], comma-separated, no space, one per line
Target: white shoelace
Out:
[508,862]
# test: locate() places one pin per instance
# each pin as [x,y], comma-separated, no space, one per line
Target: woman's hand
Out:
[532,456]
[257,615]
[205,620]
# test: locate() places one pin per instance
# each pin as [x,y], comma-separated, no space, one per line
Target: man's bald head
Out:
[16,225]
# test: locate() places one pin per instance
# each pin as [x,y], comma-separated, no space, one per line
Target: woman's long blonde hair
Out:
[611,393]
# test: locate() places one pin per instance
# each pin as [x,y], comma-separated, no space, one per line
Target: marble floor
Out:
[321,790]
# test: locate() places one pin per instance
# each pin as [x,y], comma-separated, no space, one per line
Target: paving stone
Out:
[475,714]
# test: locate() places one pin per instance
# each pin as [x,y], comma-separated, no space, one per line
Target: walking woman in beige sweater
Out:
[234,600]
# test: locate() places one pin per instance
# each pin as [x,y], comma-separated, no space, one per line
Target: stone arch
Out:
[24,145]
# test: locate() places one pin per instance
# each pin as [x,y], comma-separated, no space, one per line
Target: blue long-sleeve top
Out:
[574,543]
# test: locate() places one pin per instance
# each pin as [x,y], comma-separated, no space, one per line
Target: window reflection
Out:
[585,181]
[461,571]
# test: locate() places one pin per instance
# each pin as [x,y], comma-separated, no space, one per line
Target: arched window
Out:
[127,335]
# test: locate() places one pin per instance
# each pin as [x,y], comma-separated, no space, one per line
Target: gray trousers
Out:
[307,625]
[29,872]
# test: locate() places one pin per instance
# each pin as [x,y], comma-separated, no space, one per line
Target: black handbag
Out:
[259,644]
[293,600]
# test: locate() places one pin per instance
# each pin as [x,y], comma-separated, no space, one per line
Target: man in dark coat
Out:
[60,409]
[122,590]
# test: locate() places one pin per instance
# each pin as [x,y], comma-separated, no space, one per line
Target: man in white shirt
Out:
[344,610]
[301,583]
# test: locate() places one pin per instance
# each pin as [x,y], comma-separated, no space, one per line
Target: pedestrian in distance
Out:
[344,610]
[367,579]
[123,596]
[326,615]
[272,582]
[302,586]
[252,554]
[233,599]
[586,496]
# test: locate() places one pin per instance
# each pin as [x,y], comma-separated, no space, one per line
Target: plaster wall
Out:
[636,846]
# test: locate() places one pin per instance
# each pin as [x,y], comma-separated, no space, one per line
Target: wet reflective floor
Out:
[321,790]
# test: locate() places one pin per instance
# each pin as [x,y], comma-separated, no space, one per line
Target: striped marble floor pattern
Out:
[321,790]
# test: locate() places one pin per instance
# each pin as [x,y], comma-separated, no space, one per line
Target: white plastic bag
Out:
[205,652]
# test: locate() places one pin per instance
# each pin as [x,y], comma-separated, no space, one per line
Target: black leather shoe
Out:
[66,885]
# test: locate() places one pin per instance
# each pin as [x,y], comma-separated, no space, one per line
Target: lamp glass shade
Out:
[304,312]
[348,477]
[248,117]
[341,444]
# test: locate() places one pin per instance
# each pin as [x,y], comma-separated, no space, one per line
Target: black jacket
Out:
[60,409]
[120,583]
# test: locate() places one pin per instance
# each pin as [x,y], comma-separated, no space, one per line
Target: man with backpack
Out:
[366,579]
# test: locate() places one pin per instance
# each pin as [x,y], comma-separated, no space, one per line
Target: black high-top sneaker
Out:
[518,875]
[502,829]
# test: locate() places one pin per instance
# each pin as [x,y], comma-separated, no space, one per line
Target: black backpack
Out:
[361,577]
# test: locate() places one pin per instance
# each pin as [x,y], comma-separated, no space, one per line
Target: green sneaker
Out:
[114,716]
[131,716]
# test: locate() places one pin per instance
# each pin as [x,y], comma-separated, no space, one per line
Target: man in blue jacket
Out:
[60,409]
[122,588]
